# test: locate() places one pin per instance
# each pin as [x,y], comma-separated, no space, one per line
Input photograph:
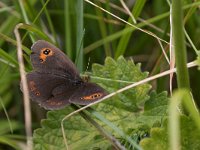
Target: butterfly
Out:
[55,82]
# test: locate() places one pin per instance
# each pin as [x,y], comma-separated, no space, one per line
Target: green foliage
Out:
[190,137]
[6,133]
[82,135]
[125,71]
[155,109]
[79,133]
[198,61]
[94,34]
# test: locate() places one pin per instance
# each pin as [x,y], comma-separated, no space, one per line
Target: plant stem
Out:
[79,35]
[68,37]
[179,45]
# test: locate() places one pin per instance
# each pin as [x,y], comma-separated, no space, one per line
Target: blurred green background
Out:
[87,35]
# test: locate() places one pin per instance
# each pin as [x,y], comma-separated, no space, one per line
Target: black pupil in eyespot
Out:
[46,51]
[95,96]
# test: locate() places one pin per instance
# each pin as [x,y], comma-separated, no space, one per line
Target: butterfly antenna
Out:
[87,65]
[86,77]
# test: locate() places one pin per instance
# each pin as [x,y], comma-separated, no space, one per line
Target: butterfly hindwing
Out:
[87,93]
[49,89]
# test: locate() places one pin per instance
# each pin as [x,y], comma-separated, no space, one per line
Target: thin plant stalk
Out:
[79,35]
[27,108]
[179,45]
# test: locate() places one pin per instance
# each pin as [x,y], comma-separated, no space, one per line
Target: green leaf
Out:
[125,71]
[155,109]
[79,133]
[5,127]
[7,137]
[9,142]
[137,125]
[157,105]
[190,136]
[8,58]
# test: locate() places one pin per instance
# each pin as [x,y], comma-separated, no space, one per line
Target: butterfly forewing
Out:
[46,58]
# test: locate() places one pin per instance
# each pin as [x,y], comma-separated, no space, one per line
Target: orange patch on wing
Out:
[43,56]
[53,103]
[92,97]
[33,88]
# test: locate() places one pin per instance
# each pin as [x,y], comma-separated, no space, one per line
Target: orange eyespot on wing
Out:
[45,52]
[32,86]
[92,97]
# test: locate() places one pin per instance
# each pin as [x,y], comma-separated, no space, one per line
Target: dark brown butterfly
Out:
[55,82]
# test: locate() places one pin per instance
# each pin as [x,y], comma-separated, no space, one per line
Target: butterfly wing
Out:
[87,93]
[57,102]
[46,58]
[50,91]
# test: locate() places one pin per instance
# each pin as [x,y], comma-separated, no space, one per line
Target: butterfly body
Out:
[55,82]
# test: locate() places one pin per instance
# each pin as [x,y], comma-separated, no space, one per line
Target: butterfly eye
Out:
[46,51]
